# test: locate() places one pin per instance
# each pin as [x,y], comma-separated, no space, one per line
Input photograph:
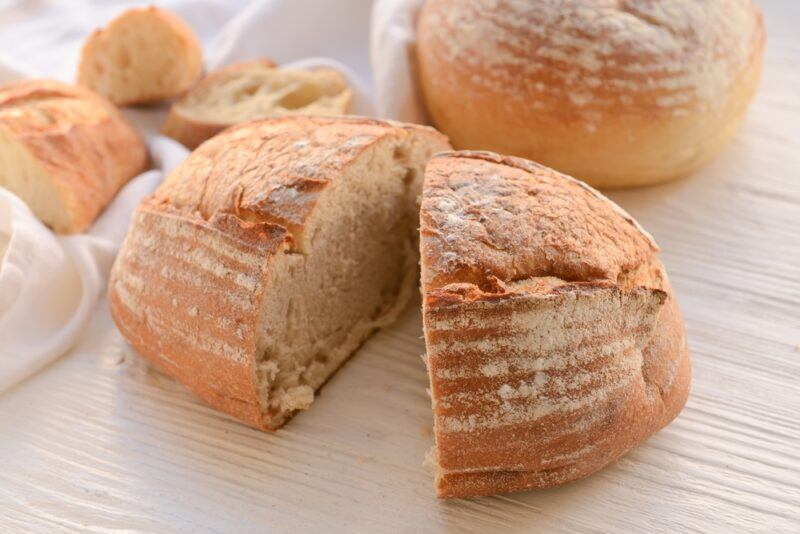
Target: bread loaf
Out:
[617,93]
[65,151]
[254,90]
[266,258]
[554,343]
[144,55]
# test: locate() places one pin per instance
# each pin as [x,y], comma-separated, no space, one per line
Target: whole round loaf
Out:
[617,93]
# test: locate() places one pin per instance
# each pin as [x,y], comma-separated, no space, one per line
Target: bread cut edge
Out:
[22,174]
[196,309]
[403,155]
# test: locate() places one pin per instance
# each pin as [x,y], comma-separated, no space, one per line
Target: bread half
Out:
[554,342]
[255,90]
[144,55]
[264,260]
[65,151]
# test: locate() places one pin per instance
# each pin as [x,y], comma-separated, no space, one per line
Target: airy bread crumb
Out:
[144,55]
[255,90]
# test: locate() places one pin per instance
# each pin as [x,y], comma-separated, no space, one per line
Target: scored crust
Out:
[65,150]
[554,343]
[195,280]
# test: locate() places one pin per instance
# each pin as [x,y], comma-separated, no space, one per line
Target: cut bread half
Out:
[554,342]
[264,260]
[65,151]
[144,55]
[255,90]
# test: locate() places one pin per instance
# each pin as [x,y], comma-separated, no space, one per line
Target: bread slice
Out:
[554,343]
[144,55]
[254,90]
[65,151]
[265,259]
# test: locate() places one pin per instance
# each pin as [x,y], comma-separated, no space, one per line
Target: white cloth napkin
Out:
[392,47]
[49,284]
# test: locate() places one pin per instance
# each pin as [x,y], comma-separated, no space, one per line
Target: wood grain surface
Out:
[99,442]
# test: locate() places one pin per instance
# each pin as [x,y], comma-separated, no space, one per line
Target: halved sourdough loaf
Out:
[264,260]
[65,151]
[554,343]
[254,90]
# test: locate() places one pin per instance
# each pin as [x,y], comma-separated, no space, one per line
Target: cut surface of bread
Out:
[254,90]
[554,343]
[65,151]
[263,261]
[144,55]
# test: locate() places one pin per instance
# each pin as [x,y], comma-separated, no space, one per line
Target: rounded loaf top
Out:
[615,92]
[50,106]
[489,219]
[304,154]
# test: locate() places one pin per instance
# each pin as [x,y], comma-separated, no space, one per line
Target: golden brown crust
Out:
[186,293]
[190,56]
[466,222]
[81,140]
[306,153]
[184,125]
[188,284]
[615,93]
[554,342]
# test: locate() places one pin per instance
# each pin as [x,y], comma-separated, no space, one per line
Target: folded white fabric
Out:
[393,38]
[50,285]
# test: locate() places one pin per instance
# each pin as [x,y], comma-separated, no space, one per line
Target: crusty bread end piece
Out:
[65,151]
[254,90]
[554,342]
[264,260]
[144,55]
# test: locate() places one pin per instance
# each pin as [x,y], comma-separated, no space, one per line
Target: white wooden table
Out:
[99,441]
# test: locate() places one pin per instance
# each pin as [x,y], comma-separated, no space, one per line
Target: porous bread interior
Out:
[24,176]
[138,57]
[261,91]
[353,271]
